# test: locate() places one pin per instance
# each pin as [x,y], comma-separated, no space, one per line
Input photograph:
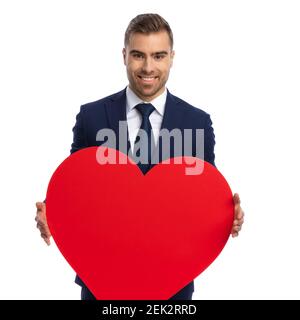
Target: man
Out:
[148,56]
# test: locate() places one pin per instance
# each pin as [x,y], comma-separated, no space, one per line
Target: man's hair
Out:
[147,23]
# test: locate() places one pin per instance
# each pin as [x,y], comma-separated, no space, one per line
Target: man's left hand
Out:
[238,216]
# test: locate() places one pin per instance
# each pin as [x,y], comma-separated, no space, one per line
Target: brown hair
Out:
[147,23]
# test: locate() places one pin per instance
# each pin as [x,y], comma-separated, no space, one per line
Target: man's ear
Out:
[124,55]
[172,57]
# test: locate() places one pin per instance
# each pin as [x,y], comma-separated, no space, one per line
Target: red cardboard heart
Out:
[134,236]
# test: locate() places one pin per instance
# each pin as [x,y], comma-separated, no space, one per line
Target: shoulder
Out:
[98,105]
[190,111]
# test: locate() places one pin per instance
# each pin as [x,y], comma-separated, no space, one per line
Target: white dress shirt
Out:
[134,118]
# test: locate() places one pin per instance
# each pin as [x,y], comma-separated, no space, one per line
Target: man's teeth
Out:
[148,78]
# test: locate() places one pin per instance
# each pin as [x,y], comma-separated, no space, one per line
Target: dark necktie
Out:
[144,152]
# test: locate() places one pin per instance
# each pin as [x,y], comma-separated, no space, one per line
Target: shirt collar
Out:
[158,103]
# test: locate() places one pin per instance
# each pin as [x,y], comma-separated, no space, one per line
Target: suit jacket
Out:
[107,112]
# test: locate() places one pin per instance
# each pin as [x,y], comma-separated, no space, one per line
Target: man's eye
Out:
[137,55]
[159,57]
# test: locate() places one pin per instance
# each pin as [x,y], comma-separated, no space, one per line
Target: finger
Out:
[237,228]
[41,217]
[40,224]
[45,236]
[238,212]
[45,230]
[236,222]
[47,240]
[42,220]
[39,205]
[236,199]
[241,221]
[41,227]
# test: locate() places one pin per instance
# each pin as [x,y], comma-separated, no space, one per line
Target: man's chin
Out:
[149,92]
[146,92]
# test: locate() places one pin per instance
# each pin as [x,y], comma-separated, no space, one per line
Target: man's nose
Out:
[148,65]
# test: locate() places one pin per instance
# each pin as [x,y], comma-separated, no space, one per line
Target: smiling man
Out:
[147,107]
[148,59]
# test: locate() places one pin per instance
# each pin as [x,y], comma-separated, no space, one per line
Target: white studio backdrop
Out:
[237,60]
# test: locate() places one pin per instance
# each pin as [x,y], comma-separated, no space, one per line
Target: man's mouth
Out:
[147,79]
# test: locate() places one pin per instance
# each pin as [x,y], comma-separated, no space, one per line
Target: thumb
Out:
[40,205]
[236,199]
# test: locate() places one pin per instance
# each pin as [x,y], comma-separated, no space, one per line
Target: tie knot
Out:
[145,109]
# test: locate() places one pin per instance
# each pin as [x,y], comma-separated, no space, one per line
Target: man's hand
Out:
[238,216]
[41,220]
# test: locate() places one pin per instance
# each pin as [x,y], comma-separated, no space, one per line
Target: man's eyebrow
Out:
[161,52]
[136,51]
[142,53]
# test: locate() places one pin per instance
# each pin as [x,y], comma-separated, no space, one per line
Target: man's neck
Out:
[146,98]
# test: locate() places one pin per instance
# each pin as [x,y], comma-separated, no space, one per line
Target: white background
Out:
[237,60]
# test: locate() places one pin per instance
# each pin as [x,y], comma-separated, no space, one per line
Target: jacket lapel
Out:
[173,115]
[172,119]
[116,112]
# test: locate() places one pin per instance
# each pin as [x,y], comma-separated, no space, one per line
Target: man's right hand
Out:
[41,220]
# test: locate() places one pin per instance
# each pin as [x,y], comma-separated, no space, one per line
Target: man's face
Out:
[148,60]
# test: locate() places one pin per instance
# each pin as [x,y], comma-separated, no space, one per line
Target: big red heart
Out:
[134,236]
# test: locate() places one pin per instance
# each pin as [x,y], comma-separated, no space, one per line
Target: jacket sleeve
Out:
[209,142]
[79,137]
[79,133]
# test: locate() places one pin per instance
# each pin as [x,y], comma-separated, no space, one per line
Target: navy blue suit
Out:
[107,112]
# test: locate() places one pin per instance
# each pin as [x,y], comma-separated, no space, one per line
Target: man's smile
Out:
[147,79]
